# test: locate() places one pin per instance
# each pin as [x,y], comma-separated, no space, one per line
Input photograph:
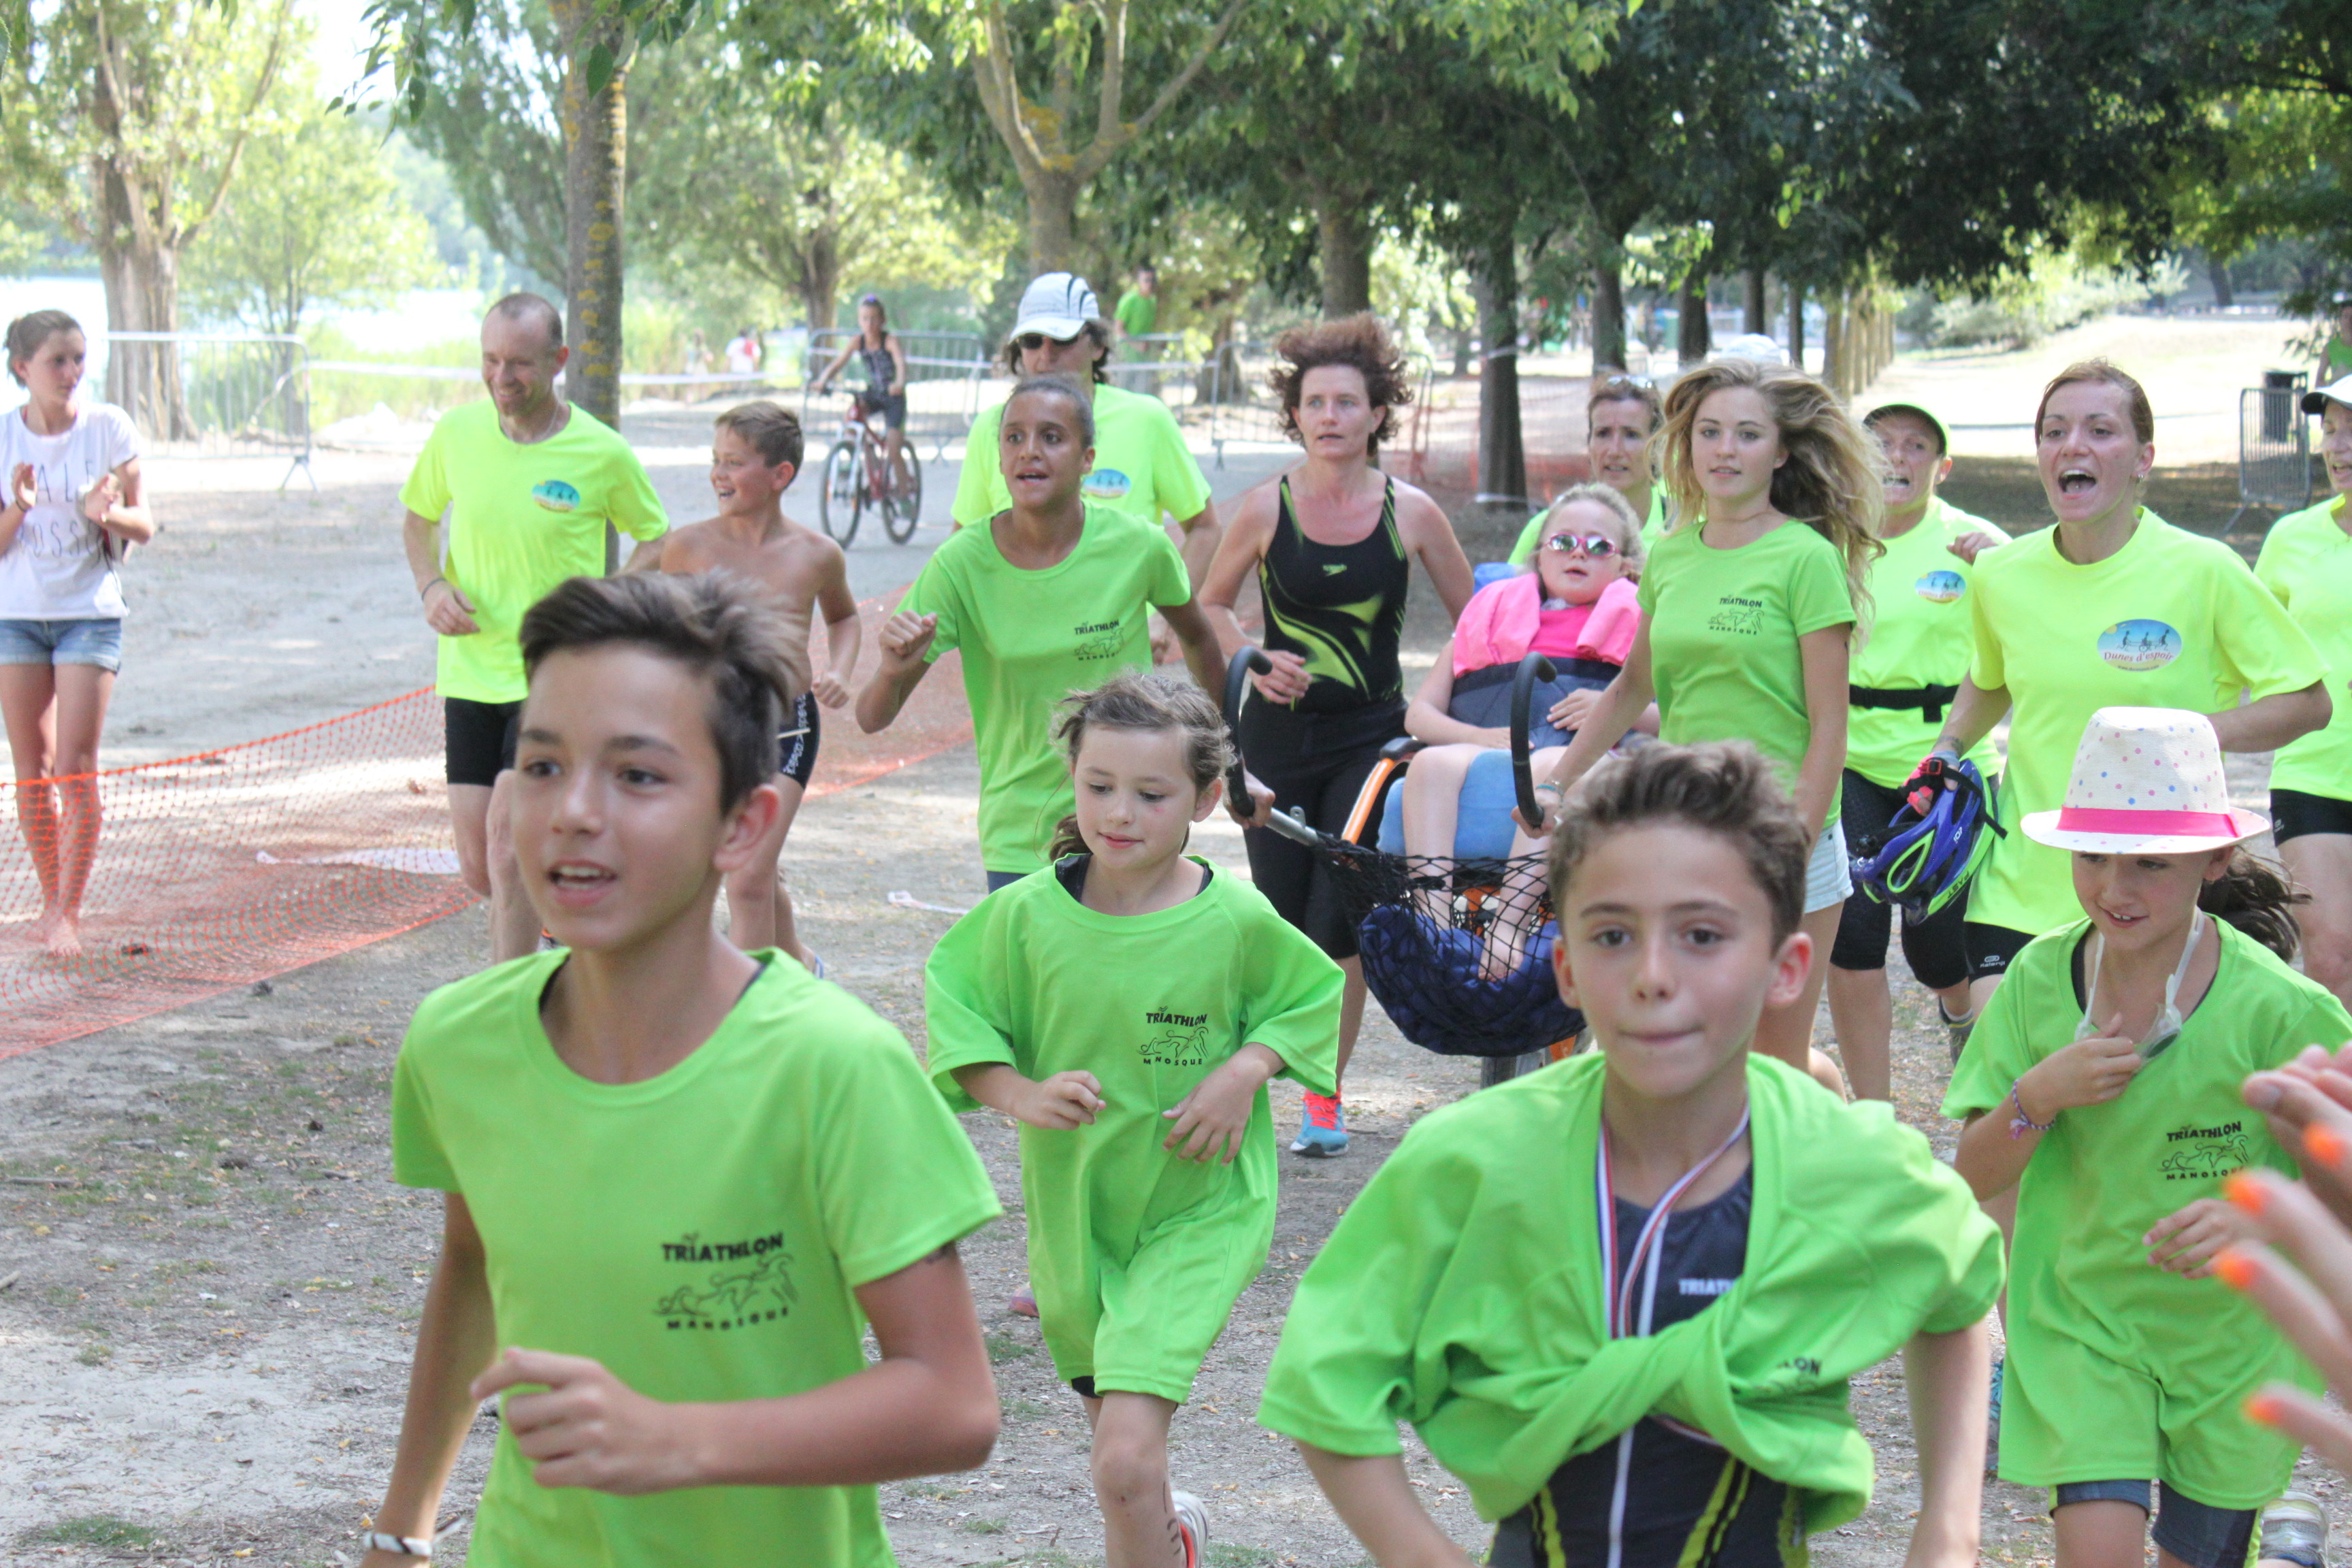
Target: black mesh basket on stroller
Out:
[1457,949]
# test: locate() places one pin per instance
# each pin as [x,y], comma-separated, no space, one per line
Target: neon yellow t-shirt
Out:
[2082,1297]
[1920,634]
[1142,467]
[2168,621]
[2307,561]
[521,519]
[1031,638]
[700,1234]
[1137,1254]
[1138,313]
[1723,626]
[1653,529]
[1463,1292]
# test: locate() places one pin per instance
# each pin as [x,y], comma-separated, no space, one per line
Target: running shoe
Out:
[2295,1528]
[1023,1303]
[1193,1524]
[1956,1030]
[1323,1130]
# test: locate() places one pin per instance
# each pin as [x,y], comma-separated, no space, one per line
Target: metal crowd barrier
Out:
[214,394]
[2273,447]
[944,371]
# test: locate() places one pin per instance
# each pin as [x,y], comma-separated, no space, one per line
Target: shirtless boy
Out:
[754,453]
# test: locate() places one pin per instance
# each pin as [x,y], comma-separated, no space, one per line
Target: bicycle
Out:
[858,475]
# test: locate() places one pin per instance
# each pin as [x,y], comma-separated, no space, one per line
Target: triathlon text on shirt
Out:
[1182,1040]
[752,1285]
[2201,1153]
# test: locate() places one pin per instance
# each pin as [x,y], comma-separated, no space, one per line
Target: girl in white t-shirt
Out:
[72,503]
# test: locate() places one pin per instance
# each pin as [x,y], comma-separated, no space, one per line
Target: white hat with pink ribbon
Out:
[2147,780]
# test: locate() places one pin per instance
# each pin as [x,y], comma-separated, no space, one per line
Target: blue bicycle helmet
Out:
[1922,860]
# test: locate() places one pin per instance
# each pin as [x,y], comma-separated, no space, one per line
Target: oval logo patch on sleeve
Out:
[555,495]
[2139,645]
[1941,587]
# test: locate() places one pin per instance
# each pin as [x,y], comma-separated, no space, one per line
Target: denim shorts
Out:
[98,642]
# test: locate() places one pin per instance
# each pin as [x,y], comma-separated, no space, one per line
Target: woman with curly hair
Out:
[1746,618]
[1333,540]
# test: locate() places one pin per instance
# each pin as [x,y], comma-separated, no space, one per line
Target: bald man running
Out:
[528,483]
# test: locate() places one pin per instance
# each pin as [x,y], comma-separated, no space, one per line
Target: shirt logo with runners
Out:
[1941,587]
[734,1284]
[1106,484]
[555,495]
[1734,614]
[2139,645]
[1096,639]
[2198,1153]
[1181,1039]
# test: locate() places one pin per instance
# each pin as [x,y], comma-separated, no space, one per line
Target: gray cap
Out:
[1058,304]
[1916,411]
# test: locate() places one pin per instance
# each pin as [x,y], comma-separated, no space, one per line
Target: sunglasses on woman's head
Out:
[1596,546]
[1030,342]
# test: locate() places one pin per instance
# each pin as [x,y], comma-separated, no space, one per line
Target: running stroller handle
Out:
[1533,668]
[1246,663]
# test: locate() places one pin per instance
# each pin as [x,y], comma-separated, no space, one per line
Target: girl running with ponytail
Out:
[1747,617]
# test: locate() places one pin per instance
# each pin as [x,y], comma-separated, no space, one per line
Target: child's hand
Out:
[1065,1100]
[904,638]
[99,499]
[24,488]
[828,690]
[2185,1241]
[1571,710]
[2089,1072]
[589,1429]
[1212,1121]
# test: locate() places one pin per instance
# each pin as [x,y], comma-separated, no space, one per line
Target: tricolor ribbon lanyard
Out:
[1649,1251]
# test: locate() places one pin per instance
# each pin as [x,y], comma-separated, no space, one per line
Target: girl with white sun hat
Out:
[2103,1082]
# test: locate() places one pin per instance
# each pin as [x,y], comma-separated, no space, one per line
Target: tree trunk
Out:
[1345,234]
[596,153]
[2218,271]
[1053,222]
[1692,338]
[1607,315]
[1753,317]
[1796,292]
[820,282]
[1502,448]
[142,272]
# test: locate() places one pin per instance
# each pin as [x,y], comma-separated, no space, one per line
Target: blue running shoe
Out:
[1323,1130]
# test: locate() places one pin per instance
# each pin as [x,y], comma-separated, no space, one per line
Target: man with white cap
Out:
[2307,561]
[1141,464]
[2127,1372]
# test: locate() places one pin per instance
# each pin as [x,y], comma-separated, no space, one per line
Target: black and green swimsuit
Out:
[1341,607]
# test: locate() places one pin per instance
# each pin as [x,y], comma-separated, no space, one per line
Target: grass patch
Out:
[94,1355]
[982,1526]
[1222,1555]
[1002,1348]
[1023,1409]
[94,1530]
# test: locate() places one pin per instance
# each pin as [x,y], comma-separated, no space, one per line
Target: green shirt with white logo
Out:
[1142,467]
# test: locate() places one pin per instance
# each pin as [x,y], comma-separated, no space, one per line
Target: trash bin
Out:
[2282,390]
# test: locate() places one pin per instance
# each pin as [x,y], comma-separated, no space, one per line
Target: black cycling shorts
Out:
[2294,814]
[796,743]
[1934,948]
[1317,762]
[479,739]
[892,406]
[1991,948]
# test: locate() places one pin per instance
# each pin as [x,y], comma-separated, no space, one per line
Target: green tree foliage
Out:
[2284,171]
[317,220]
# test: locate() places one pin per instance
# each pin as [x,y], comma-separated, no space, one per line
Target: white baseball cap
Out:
[1058,304]
[1754,346]
[2337,391]
[2147,780]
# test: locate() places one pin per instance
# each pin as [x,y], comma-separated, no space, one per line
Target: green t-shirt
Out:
[521,519]
[1462,1291]
[2170,620]
[1142,467]
[2081,1291]
[1137,312]
[1723,626]
[2338,361]
[2307,561]
[700,1234]
[1920,634]
[1031,638]
[1137,1254]
[1653,529]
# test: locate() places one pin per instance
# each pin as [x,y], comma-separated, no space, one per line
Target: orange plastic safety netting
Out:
[216,871]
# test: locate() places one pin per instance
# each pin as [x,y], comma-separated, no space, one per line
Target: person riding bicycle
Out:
[886,379]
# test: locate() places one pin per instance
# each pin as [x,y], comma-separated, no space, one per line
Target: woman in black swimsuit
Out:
[886,377]
[1332,541]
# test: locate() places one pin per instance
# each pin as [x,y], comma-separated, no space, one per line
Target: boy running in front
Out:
[754,453]
[1620,1298]
[682,1179]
